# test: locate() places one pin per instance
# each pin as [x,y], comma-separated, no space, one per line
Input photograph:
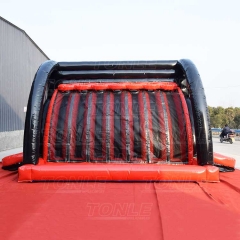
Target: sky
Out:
[204,31]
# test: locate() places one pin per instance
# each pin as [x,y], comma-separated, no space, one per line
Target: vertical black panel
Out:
[126,99]
[79,125]
[69,126]
[98,126]
[60,126]
[108,116]
[175,126]
[146,117]
[156,131]
[117,125]
[137,148]
[88,125]
[168,149]
[183,133]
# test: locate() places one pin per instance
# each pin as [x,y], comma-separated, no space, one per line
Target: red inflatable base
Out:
[116,172]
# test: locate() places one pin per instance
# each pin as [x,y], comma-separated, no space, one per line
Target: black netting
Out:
[118,126]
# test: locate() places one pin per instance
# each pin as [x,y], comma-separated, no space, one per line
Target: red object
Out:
[118,86]
[12,159]
[223,160]
[116,172]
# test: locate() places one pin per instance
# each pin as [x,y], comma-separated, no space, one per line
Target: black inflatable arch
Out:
[50,74]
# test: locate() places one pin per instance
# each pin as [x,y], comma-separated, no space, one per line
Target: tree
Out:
[220,116]
[216,121]
[237,121]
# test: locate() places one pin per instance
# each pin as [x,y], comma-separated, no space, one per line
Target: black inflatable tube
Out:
[117,65]
[203,132]
[35,111]
[116,80]
[113,74]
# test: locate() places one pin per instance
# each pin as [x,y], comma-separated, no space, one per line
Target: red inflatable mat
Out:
[99,210]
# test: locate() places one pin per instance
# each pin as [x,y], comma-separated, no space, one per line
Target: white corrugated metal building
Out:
[20,58]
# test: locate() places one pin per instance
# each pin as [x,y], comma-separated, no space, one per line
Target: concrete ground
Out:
[231,150]
[11,139]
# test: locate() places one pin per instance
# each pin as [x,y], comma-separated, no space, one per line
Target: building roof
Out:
[1,18]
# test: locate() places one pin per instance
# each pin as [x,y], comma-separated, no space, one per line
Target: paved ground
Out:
[231,150]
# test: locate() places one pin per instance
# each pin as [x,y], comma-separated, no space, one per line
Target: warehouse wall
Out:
[20,58]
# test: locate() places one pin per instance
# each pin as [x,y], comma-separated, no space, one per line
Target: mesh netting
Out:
[118,126]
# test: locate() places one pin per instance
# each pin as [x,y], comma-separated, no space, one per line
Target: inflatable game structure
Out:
[118,121]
